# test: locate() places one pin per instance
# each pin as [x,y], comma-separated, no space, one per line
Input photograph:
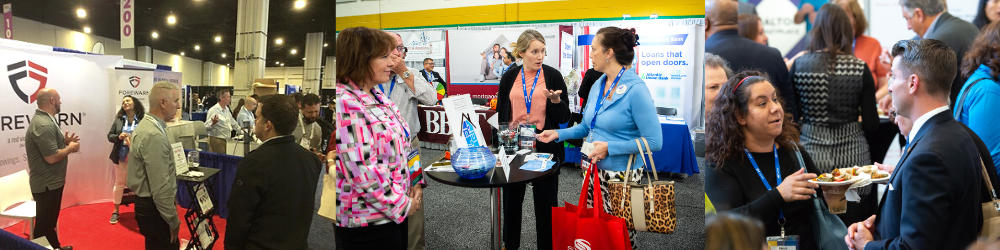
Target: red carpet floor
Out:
[86,227]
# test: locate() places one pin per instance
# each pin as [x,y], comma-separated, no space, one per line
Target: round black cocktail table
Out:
[494,181]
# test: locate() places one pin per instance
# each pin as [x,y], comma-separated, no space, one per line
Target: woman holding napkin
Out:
[619,110]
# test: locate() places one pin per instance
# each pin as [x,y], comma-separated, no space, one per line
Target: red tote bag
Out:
[582,228]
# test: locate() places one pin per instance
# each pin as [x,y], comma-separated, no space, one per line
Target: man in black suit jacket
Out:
[723,39]
[433,76]
[273,197]
[933,197]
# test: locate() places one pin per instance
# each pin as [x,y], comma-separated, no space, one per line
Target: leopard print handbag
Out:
[657,213]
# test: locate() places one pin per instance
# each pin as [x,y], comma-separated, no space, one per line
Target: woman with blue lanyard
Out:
[126,119]
[619,110]
[534,94]
[753,168]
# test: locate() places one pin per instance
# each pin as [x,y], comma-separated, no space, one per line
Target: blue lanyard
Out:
[524,88]
[777,172]
[391,87]
[600,101]
[430,77]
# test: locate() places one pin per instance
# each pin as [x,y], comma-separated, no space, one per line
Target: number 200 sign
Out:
[127,23]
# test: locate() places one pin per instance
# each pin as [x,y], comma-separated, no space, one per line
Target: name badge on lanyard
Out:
[782,242]
[588,145]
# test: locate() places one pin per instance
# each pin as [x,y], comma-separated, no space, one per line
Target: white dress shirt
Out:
[919,122]
[226,124]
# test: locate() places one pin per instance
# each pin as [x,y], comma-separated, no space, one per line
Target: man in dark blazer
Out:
[433,76]
[933,197]
[930,21]
[723,39]
[273,197]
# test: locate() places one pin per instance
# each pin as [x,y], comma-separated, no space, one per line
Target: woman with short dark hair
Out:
[989,12]
[370,146]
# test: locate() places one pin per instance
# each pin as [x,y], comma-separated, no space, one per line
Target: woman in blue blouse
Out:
[128,116]
[624,112]
[981,92]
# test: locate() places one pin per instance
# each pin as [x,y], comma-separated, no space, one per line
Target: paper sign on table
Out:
[180,159]
[460,113]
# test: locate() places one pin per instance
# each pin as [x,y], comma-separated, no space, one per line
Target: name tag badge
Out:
[621,89]
[789,242]
[587,148]
[584,162]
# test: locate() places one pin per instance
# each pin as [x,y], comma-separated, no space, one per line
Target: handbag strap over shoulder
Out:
[986,177]
[802,163]
[959,106]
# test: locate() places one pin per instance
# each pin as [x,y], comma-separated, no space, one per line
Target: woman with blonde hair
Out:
[535,94]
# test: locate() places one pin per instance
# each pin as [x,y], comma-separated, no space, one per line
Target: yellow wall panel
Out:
[534,12]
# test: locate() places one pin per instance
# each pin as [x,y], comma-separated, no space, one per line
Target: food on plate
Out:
[836,176]
[877,175]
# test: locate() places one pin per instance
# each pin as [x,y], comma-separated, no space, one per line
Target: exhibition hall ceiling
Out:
[208,24]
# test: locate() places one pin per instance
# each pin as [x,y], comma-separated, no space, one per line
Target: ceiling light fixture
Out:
[303,58]
[155,35]
[218,39]
[223,55]
[182,53]
[300,4]
[277,63]
[86,30]
[81,13]
[279,41]
[282,64]
[171,20]
[197,47]
[294,51]
[325,44]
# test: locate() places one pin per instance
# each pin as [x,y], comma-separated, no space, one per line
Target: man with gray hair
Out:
[151,172]
[406,91]
[48,149]
[717,72]
[930,20]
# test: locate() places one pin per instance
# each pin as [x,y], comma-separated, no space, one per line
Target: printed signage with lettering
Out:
[127,18]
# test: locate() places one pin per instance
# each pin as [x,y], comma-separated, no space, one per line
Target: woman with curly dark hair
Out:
[128,116]
[980,96]
[753,168]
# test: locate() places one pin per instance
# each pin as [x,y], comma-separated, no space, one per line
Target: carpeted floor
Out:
[459,218]
[87,227]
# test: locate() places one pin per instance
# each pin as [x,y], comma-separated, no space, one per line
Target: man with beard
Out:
[48,149]
[308,132]
[273,197]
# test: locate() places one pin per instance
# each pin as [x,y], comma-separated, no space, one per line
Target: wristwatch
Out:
[406,74]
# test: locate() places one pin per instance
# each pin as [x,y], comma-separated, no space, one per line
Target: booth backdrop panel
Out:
[434,126]
[85,86]
[468,66]
[222,183]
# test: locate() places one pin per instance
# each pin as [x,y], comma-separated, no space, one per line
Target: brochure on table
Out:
[180,159]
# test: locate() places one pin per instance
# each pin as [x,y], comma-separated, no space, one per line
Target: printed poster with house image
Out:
[493,56]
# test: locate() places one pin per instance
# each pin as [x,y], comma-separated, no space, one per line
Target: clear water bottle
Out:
[526,137]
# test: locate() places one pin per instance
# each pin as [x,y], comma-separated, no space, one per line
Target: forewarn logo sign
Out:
[17,72]
[27,69]
[134,81]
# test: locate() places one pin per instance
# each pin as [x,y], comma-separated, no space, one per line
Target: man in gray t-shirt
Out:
[48,148]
